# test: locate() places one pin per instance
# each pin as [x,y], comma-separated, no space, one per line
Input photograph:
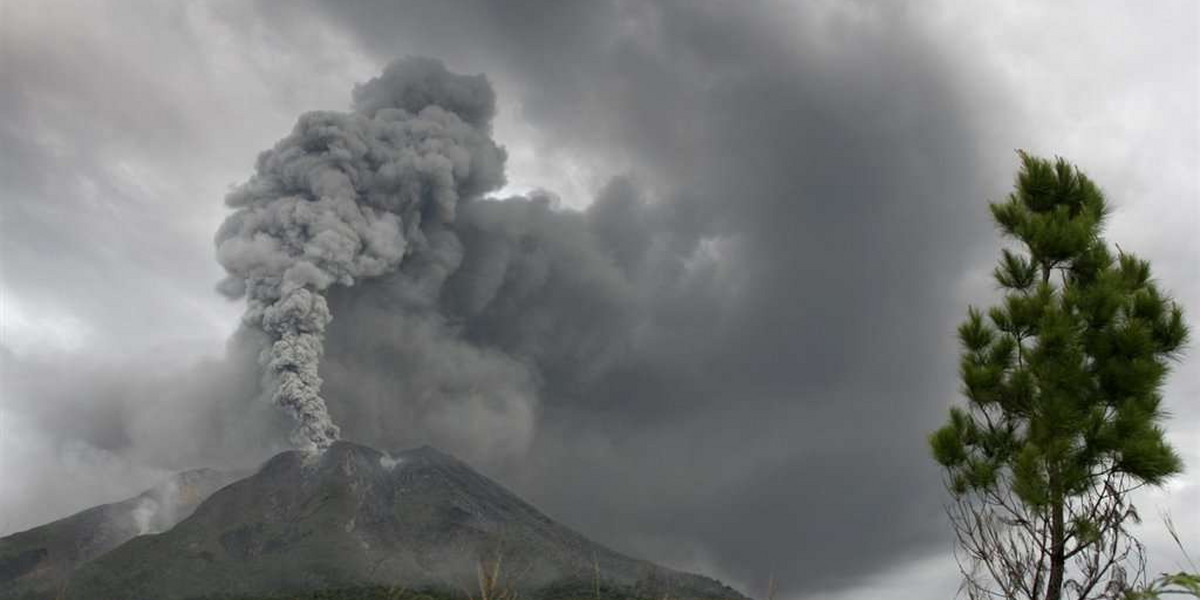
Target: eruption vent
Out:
[351,196]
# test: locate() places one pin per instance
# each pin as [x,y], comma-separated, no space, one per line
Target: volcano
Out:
[351,518]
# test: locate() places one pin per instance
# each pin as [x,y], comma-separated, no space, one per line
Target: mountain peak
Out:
[354,516]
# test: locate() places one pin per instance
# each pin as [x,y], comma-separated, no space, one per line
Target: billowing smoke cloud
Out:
[348,197]
[737,347]
[710,331]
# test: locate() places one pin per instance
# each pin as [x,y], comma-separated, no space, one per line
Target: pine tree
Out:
[1063,381]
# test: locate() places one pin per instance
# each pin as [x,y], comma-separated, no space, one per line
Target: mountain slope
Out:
[354,516]
[36,562]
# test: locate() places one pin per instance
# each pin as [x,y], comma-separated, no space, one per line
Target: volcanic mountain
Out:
[353,517]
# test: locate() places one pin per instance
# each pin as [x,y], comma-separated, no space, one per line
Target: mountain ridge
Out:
[352,517]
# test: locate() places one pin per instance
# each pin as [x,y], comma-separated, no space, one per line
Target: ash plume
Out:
[348,197]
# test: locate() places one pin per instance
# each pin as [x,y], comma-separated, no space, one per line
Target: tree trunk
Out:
[1058,548]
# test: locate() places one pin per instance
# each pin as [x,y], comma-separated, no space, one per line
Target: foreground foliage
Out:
[1168,584]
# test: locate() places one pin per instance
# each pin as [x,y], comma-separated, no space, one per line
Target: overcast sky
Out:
[727,336]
